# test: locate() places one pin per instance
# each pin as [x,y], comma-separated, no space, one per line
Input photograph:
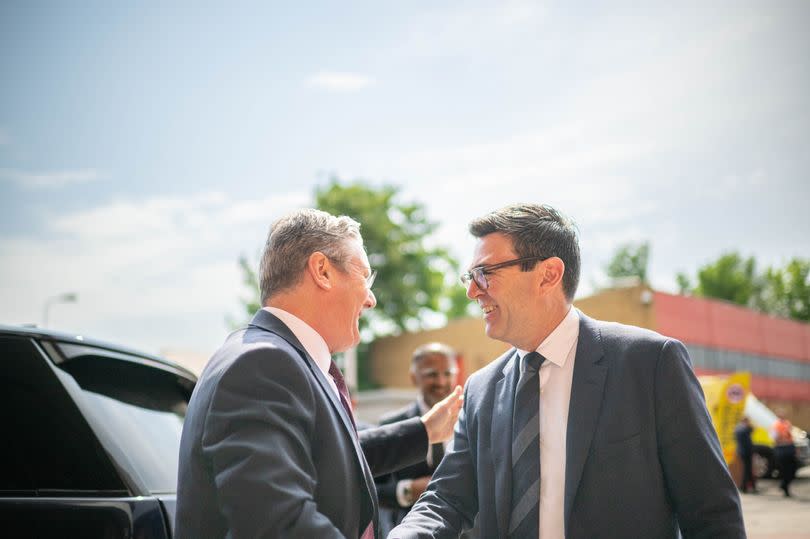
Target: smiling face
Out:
[512,302]
[435,375]
[349,297]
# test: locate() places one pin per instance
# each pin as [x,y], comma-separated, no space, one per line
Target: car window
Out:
[137,410]
[48,449]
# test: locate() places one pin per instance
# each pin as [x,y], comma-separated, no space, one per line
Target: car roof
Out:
[72,338]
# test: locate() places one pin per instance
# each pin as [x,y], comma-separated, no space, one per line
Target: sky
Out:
[145,146]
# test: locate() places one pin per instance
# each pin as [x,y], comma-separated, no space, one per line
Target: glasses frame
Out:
[479,274]
[370,278]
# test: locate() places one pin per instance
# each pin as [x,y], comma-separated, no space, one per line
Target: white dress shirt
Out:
[311,340]
[556,375]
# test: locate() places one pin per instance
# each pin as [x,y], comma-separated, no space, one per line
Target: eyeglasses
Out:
[370,278]
[479,274]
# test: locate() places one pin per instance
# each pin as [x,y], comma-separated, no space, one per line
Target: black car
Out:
[90,437]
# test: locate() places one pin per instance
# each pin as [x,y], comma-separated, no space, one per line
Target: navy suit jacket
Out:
[268,450]
[642,456]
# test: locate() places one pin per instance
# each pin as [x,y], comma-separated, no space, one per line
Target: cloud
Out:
[48,180]
[340,82]
[168,258]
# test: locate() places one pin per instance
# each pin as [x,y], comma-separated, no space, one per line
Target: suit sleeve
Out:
[450,503]
[700,487]
[394,446]
[257,437]
[387,484]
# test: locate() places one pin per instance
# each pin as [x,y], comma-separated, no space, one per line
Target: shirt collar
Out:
[311,340]
[556,347]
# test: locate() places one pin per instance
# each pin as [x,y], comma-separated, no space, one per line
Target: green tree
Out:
[684,283]
[786,291]
[732,278]
[630,260]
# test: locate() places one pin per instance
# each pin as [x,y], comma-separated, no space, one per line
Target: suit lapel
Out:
[501,438]
[268,322]
[585,404]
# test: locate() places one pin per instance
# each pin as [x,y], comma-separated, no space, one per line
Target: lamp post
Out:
[67,297]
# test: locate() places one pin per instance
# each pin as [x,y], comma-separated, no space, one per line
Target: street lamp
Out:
[67,297]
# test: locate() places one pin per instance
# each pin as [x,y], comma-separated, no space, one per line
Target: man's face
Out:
[509,303]
[352,297]
[435,376]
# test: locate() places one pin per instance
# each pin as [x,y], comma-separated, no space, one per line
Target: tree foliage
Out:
[778,291]
[731,277]
[630,260]
[786,291]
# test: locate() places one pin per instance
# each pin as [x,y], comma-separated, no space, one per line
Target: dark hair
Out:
[536,230]
[291,241]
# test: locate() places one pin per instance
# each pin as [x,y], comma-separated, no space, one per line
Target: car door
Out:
[58,479]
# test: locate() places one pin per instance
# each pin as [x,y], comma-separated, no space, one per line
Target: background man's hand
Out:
[440,419]
[419,485]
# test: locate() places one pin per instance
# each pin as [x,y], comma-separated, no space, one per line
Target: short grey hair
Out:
[430,349]
[291,241]
[536,230]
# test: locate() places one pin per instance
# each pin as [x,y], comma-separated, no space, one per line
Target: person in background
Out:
[433,372]
[784,452]
[745,452]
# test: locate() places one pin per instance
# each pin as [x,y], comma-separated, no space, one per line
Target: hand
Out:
[419,485]
[440,419]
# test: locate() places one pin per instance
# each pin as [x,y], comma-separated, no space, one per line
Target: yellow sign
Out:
[725,399]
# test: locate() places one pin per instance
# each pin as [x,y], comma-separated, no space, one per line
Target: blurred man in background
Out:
[434,371]
[745,452]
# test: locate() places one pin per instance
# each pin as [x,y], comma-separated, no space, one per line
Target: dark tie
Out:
[340,382]
[524,520]
[345,400]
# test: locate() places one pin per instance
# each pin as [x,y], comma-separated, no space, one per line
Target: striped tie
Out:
[524,521]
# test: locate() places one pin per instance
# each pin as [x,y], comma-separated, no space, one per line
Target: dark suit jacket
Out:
[387,485]
[642,456]
[268,450]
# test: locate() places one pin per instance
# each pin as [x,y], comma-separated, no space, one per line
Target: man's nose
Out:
[371,300]
[472,289]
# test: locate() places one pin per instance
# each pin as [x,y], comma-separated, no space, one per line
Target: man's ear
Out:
[413,377]
[552,272]
[321,270]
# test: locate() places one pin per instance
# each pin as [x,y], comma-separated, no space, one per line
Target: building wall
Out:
[631,305]
[391,356]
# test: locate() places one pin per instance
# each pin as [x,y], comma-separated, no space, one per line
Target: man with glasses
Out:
[433,371]
[269,445]
[584,428]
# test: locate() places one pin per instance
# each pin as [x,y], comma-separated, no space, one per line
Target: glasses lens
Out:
[480,278]
[370,278]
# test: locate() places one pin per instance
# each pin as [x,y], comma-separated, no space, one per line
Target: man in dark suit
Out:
[585,429]
[433,371]
[269,446]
